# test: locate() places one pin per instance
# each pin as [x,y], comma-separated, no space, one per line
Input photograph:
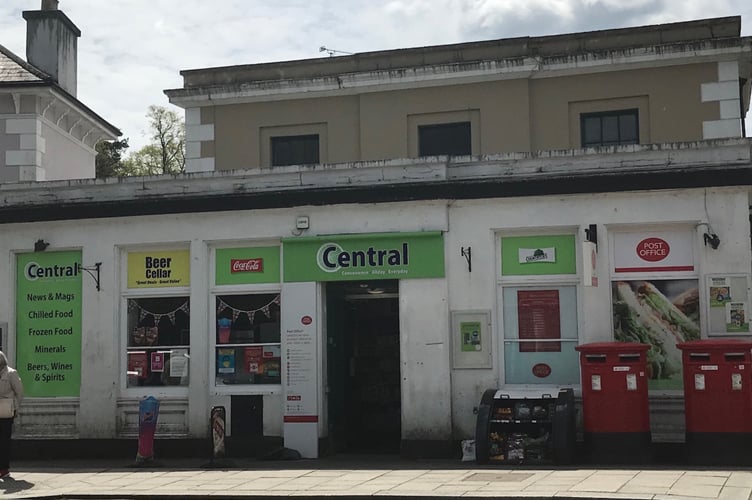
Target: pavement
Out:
[351,477]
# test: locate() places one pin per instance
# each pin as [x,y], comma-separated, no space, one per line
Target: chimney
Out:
[52,44]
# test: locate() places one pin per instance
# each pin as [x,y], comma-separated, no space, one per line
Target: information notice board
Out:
[728,304]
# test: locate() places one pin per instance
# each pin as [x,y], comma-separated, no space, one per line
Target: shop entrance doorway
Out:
[363,366]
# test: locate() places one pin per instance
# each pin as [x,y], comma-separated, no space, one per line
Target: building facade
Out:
[367,243]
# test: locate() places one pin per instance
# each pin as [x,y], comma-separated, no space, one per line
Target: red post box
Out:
[616,415]
[718,400]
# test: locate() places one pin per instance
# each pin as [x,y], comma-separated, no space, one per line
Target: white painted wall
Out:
[474,223]
[437,401]
[65,157]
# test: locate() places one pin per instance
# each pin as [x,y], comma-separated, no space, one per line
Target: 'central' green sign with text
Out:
[48,323]
[381,256]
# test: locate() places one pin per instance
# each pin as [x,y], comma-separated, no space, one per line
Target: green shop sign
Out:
[48,323]
[538,255]
[364,257]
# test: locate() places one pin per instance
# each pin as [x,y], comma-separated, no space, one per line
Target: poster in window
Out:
[662,314]
[157,361]
[737,319]
[720,291]
[539,318]
[179,363]
[470,336]
[225,360]
[254,359]
[137,364]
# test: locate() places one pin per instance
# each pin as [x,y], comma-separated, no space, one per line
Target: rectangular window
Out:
[248,339]
[158,341]
[540,334]
[295,150]
[610,128]
[452,139]
[538,306]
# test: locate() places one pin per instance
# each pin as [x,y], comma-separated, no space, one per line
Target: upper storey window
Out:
[444,139]
[295,150]
[610,128]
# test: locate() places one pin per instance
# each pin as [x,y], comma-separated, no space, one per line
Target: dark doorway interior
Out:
[363,366]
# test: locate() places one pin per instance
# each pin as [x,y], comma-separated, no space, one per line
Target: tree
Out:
[166,153]
[109,160]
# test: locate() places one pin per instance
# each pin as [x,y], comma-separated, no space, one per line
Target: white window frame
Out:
[536,282]
[217,290]
[145,293]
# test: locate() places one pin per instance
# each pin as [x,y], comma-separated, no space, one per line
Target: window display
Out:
[248,339]
[661,313]
[158,341]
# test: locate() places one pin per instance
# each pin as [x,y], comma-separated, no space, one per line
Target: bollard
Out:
[148,411]
[217,423]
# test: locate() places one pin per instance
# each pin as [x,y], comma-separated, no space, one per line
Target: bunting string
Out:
[143,312]
[265,309]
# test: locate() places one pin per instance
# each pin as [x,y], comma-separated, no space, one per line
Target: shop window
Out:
[539,311]
[295,150]
[660,313]
[158,341]
[609,128]
[540,334]
[445,139]
[248,339]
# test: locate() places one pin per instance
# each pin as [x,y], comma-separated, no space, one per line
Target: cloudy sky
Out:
[131,50]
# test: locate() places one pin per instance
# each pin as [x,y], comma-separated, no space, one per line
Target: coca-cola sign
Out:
[247,265]
[653,249]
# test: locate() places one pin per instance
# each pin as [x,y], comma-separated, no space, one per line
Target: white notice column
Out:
[300,368]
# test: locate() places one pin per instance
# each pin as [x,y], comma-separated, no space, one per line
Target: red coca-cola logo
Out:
[541,370]
[653,249]
[306,320]
[246,265]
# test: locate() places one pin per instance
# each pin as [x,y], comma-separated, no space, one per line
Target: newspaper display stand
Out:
[525,428]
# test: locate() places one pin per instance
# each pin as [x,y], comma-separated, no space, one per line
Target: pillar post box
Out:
[616,416]
[718,401]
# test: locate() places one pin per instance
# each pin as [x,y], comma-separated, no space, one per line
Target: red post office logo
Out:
[541,370]
[246,265]
[306,320]
[653,249]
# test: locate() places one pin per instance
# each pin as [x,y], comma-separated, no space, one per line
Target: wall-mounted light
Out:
[40,245]
[591,234]
[467,253]
[709,237]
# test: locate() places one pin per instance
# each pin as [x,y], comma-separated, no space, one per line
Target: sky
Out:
[130,51]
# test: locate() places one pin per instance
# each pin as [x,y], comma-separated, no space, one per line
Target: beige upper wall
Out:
[238,128]
[670,97]
[517,115]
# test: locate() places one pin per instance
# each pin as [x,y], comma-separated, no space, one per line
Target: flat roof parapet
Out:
[505,48]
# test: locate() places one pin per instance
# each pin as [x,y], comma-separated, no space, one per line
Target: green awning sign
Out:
[364,257]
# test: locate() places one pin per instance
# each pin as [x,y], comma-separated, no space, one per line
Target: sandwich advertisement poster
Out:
[662,314]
